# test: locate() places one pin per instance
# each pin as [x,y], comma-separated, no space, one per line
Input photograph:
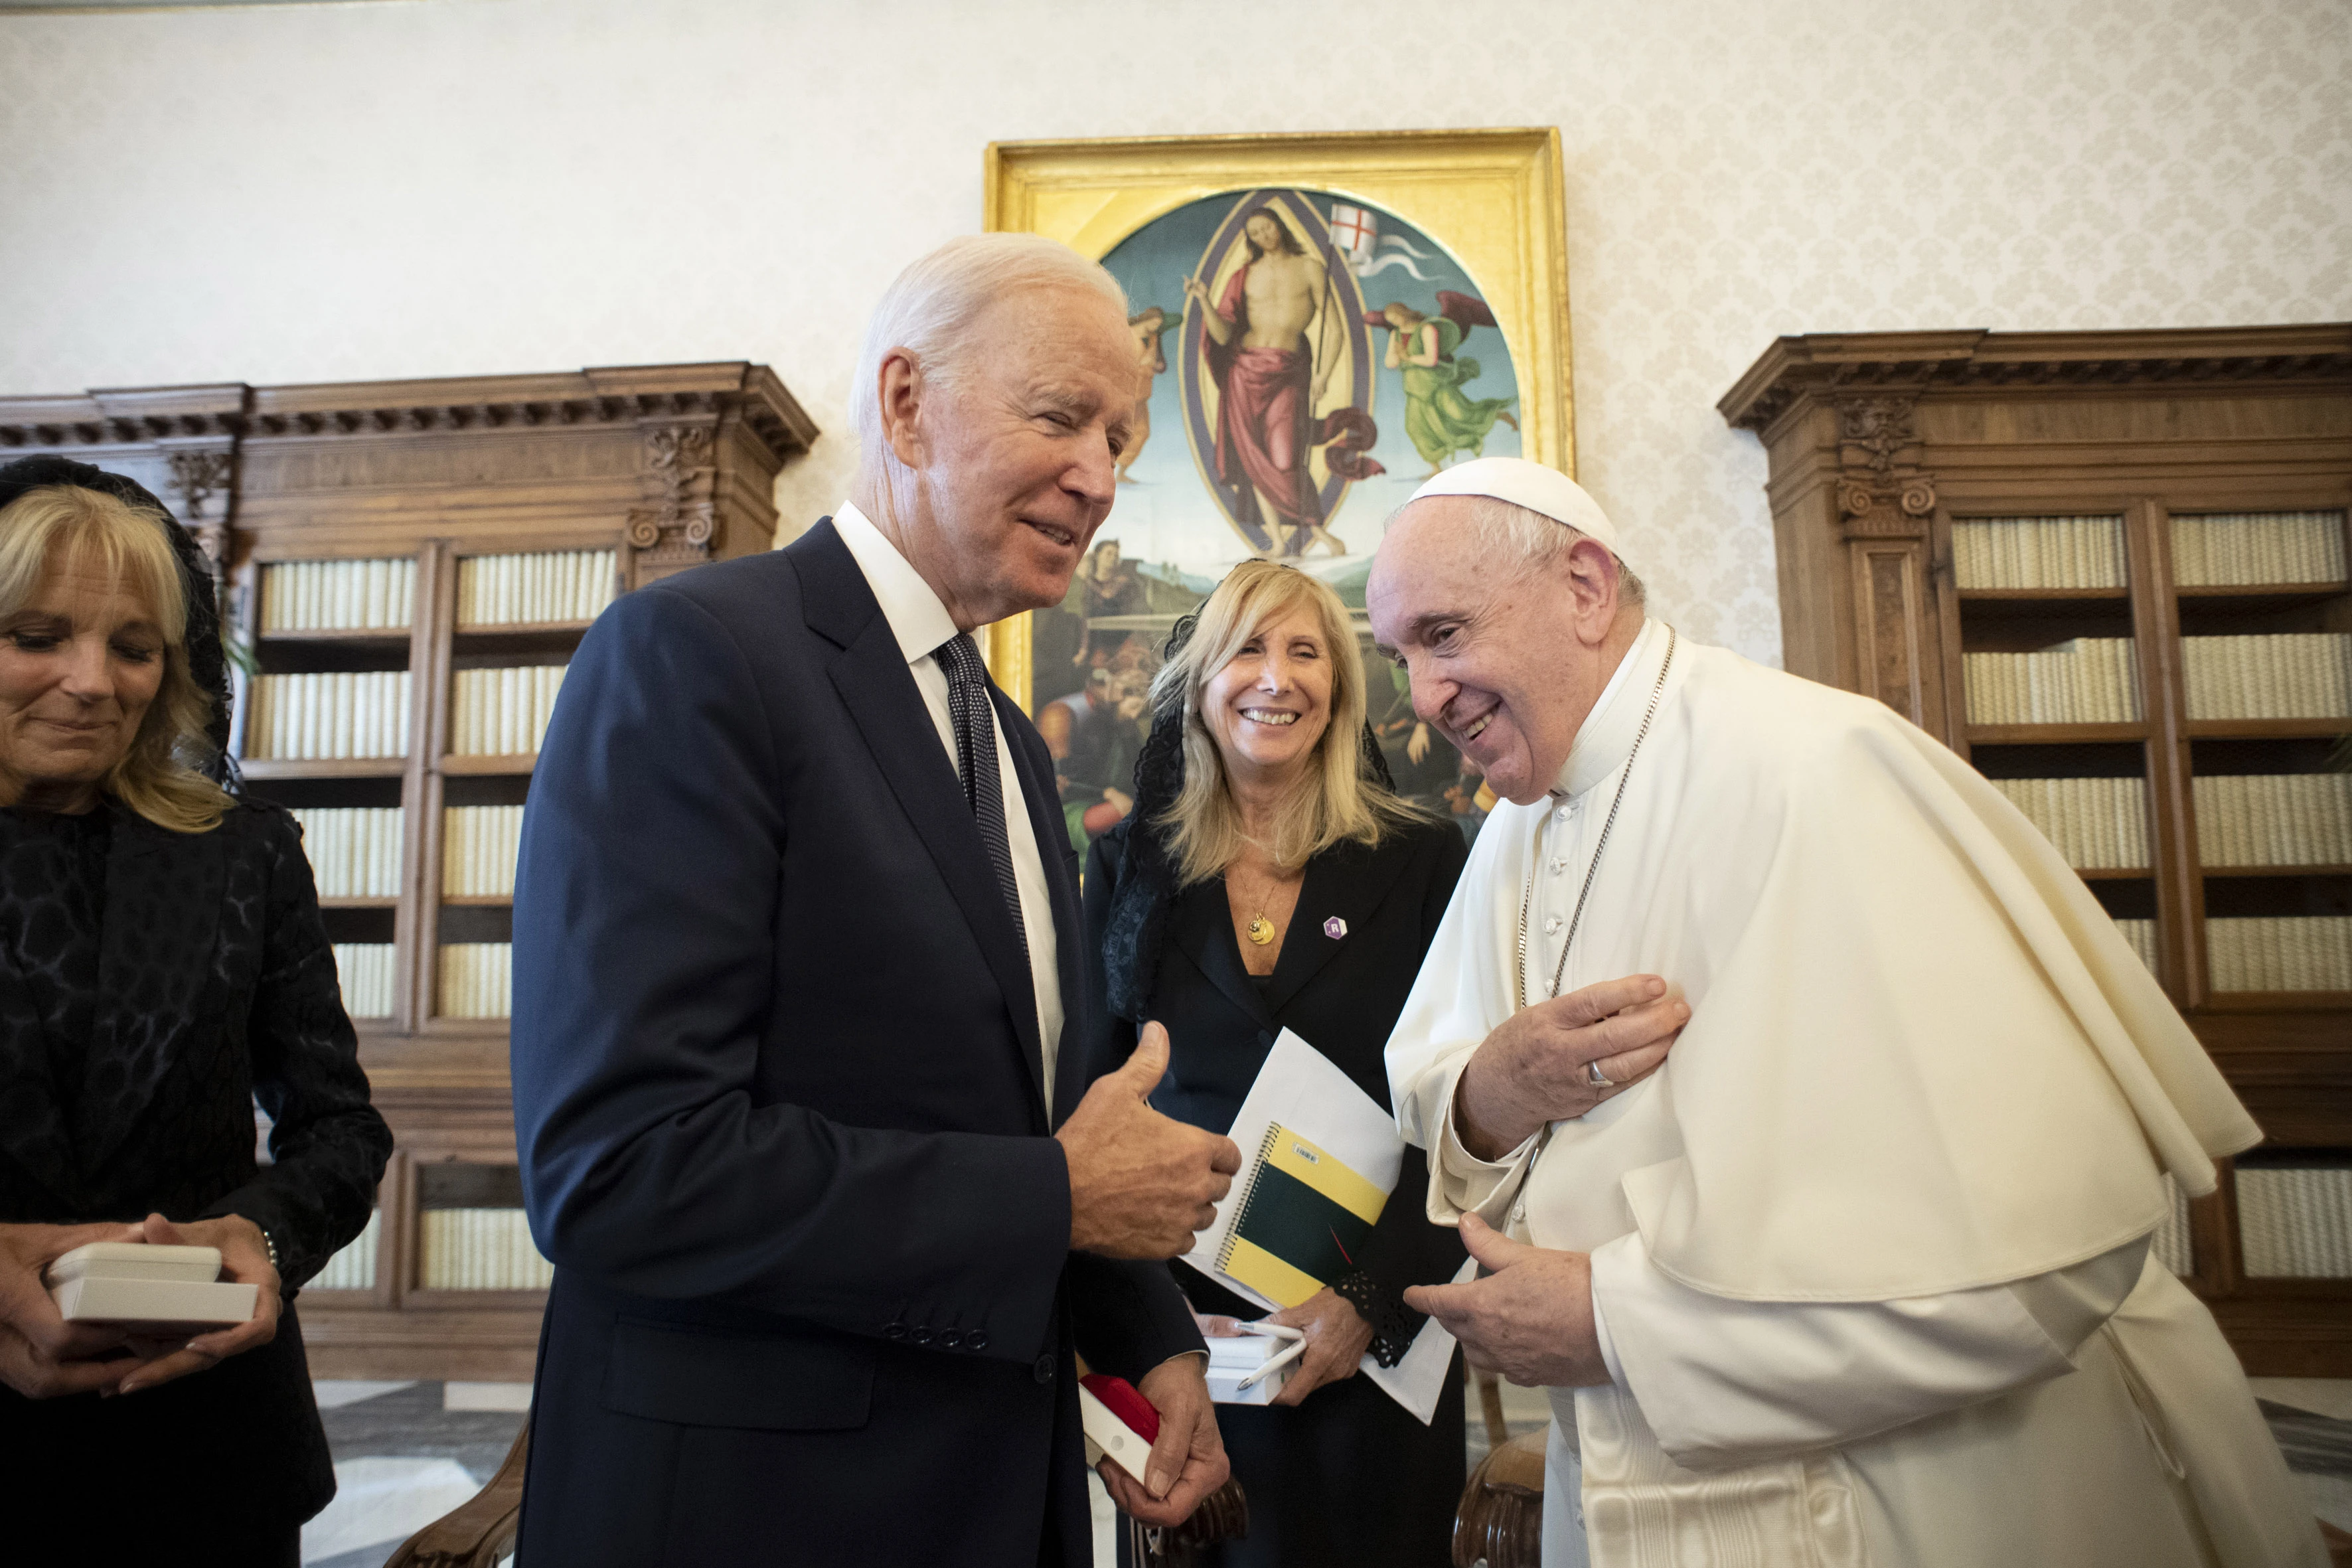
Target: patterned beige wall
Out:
[434,187]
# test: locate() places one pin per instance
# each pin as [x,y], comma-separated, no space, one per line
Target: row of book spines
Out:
[2090,680]
[476,979]
[527,589]
[504,711]
[338,596]
[364,971]
[2097,823]
[2273,819]
[353,1268]
[345,713]
[2171,1244]
[2287,675]
[354,851]
[2216,550]
[2037,552]
[2279,953]
[2141,936]
[2296,1222]
[479,847]
[478,1249]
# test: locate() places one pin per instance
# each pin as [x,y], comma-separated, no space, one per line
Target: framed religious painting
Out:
[1326,320]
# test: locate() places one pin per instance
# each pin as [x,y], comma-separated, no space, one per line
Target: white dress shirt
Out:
[921,623]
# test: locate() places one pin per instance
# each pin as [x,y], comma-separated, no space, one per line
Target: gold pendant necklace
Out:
[1260,930]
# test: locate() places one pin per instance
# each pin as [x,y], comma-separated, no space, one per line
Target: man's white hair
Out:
[930,308]
[1513,539]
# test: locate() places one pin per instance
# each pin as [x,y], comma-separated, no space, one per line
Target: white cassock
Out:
[1870,1254]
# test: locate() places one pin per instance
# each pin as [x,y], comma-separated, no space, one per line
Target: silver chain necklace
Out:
[1528,899]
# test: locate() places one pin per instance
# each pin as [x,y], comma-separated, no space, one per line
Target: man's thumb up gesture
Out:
[1141,1185]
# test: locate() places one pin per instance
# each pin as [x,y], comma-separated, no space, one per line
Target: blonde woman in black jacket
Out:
[162,966]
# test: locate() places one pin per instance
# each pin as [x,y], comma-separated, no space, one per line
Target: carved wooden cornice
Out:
[234,411]
[1846,364]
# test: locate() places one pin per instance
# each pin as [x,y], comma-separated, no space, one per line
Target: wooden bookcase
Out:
[1881,445]
[662,467]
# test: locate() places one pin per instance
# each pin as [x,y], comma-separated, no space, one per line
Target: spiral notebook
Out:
[1321,1162]
[1302,1220]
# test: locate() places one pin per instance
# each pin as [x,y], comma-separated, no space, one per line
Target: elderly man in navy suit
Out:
[797,953]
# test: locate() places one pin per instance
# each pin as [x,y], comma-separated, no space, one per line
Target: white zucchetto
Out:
[1546,491]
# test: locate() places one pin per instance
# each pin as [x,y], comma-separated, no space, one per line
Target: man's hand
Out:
[1529,1318]
[1140,1183]
[245,1259]
[1533,1068]
[1336,1338]
[42,1356]
[1188,1460]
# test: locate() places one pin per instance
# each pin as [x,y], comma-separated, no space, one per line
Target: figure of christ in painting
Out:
[1148,327]
[1441,418]
[1268,384]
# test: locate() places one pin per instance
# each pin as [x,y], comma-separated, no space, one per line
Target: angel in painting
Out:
[1441,418]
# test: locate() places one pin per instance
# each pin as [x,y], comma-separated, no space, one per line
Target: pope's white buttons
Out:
[1558,867]
[1551,926]
[1565,812]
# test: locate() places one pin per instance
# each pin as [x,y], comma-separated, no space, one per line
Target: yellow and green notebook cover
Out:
[1303,1222]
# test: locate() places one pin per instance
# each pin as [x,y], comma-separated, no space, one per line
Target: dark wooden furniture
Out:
[480,1531]
[1879,442]
[663,466]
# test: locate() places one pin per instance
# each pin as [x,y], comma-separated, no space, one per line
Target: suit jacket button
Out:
[894,1330]
[921,1336]
[973,1340]
[952,1339]
[1044,1369]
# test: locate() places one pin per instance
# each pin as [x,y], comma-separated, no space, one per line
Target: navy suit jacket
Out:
[780,1103]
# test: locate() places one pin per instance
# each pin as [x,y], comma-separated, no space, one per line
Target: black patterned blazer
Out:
[216,988]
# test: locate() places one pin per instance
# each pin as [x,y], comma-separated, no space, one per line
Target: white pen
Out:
[1276,1331]
[1289,1352]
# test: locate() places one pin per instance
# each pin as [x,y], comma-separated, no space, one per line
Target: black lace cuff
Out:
[1394,1324]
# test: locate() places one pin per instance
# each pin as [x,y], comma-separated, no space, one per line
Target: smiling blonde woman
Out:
[1269,878]
[164,967]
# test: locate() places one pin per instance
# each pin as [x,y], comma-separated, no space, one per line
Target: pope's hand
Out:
[1188,1458]
[1140,1183]
[1529,1318]
[1537,1067]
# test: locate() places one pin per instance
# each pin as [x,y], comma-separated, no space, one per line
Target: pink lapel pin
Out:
[1335,928]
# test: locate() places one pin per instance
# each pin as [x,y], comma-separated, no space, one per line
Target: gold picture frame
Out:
[1492,198]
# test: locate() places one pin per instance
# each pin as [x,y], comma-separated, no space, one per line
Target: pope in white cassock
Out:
[1861,1274]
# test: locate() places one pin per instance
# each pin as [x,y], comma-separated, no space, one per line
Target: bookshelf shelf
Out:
[457,763]
[2265,729]
[2053,735]
[477,900]
[2268,592]
[258,768]
[496,629]
[2211,872]
[327,903]
[2113,873]
[2041,598]
[393,636]
[1944,504]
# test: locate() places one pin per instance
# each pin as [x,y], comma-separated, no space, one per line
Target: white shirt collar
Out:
[1606,736]
[919,621]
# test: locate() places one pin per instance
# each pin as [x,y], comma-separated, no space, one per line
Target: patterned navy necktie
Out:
[974,718]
